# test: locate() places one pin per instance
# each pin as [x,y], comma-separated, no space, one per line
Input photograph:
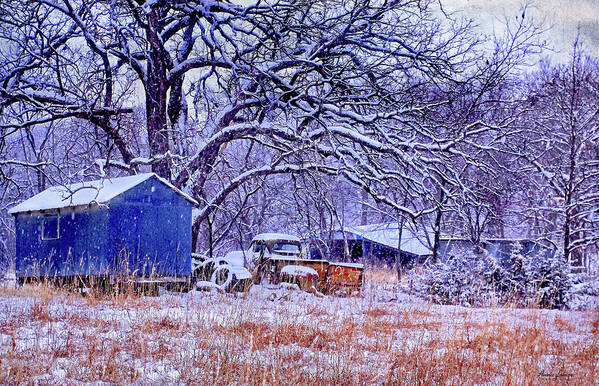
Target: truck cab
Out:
[265,246]
[277,256]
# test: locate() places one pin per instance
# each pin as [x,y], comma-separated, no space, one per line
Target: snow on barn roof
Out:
[90,192]
[388,234]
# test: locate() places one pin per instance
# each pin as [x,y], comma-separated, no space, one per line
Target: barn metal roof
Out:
[388,234]
[90,192]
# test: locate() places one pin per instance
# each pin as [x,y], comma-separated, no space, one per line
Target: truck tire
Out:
[222,277]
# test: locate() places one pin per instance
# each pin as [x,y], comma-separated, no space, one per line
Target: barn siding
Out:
[80,250]
[150,231]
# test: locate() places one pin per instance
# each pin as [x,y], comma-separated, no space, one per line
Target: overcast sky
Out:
[563,15]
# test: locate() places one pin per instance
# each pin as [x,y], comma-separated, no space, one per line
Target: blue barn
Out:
[140,225]
[375,244]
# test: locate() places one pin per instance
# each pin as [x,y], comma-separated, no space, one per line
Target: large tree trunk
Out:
[156,88]
[569,189]
[364,208]
[195,233]
[400,224]
[438,218]
[566,247]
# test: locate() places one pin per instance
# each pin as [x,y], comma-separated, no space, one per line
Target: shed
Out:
[378,243]
[138,224]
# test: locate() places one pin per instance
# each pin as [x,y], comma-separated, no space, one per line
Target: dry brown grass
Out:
[51,336]
[381,275]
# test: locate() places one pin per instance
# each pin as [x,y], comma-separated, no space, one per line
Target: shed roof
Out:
[90,192]
[388,234]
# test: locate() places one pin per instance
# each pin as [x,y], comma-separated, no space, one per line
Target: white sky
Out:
[563,16]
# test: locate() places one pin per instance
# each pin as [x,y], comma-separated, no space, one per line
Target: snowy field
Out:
[274,335]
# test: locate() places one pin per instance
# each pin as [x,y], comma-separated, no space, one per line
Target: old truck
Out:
[277,257]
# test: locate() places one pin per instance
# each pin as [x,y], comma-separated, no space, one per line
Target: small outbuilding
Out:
[375,244]
[138,225]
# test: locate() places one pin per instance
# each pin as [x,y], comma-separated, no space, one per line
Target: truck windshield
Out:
[286,247]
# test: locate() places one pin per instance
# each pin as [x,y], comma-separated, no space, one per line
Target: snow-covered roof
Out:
[90,192]
[275,236]
[388,234]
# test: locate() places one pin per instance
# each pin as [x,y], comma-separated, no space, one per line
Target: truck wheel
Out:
[205,269]
[222,277]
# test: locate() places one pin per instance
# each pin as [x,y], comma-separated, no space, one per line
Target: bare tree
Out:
[334,87]
[559,145]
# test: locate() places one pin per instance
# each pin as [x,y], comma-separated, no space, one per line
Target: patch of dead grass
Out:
[218,339]
[380,275]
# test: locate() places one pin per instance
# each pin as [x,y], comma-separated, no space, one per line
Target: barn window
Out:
[50,227]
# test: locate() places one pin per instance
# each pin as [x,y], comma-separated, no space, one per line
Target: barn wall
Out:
[145,230]
[80,250]
[150,231]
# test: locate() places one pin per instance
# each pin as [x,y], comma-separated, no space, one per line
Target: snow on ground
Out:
[279,335]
